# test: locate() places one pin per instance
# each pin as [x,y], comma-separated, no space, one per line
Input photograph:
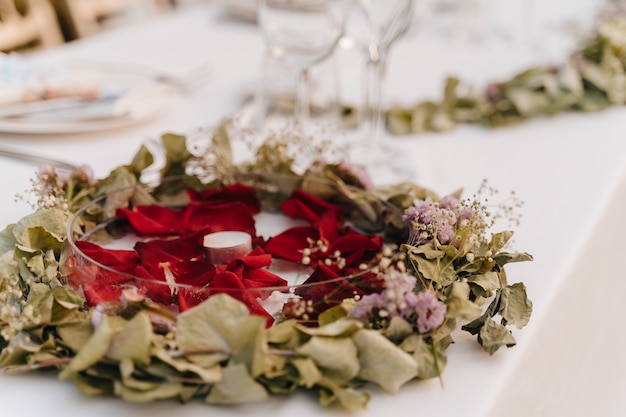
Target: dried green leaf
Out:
[499,240]
[515,307]
[22,349]
[398,367]
[458,302]
[236,387]
[333,314]
[489,281]
[134,341]
[164,390]
[430,361]
[504,258]
[95,348]
[75,334]
[345,326]
[142,159]
[398,329]
[493,336]
[49,224]
[283,333]
[7,239]
[181,364]
[348,398]
[335,356]
[219,328]
[90,385]
[310,374]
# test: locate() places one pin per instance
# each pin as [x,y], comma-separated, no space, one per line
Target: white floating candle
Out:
[223,247]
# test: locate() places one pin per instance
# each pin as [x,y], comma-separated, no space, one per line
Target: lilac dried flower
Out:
[391,301]
[430,311]
[433,219]
[398,299]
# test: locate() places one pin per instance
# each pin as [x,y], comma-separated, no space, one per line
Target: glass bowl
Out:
[102,259]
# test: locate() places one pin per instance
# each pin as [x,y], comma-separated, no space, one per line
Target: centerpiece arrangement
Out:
[591,79]
[114,282]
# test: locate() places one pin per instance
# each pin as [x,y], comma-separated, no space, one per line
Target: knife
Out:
[66,108]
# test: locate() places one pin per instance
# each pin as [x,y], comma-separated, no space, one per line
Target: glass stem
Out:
[302,105]
[373,107]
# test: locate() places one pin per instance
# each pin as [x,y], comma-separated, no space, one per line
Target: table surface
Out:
[568,169]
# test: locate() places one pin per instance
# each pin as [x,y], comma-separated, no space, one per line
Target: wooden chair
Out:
[86,17]
[33,25]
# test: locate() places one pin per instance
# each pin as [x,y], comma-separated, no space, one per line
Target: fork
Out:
[38,159]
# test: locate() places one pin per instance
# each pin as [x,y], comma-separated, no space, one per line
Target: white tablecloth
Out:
[569,170]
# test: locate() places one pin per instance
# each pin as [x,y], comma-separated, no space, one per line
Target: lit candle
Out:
[223,247]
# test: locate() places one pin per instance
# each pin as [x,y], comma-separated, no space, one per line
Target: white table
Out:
[569,170]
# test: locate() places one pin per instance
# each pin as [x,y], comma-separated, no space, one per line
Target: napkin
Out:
[23,81]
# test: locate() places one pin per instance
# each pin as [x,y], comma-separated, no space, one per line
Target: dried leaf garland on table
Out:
[592,79]
[449,274]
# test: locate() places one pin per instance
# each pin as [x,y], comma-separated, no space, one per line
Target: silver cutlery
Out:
[37,159]
[64,107]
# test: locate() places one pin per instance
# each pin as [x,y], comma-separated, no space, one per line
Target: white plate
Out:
[136,104]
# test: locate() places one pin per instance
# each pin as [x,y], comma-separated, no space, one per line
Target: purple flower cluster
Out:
[436,219]
[399,300]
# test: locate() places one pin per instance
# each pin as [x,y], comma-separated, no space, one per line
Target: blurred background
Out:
[456,20]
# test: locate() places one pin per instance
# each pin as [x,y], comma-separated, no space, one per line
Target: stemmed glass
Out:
[384,21]
[388,20]
[301,33]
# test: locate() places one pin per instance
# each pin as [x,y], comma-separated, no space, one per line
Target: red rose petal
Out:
[225,217]
[153,220]
[289,244]
[231,194]
[302,205]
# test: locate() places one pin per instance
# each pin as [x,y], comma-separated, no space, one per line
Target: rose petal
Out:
[152,220]
[231,194]
[289,244]
[218,218]
[302,205]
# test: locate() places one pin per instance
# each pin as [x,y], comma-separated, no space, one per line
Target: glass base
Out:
[384,165]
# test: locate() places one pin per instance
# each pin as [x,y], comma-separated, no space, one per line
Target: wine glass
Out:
[301,33]
[388,20]
[383,21]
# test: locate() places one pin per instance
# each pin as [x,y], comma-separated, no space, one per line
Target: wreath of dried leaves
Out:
[217,351]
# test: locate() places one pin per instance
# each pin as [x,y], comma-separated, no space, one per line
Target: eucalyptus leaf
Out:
[161,391]
[493,336]
[515,307]
[335,356]
[397,329]
[7,240]
[236,387]
[75,334]
[345,326]
[219,328]
[397,369]
[348,398]
[94,350]
[458,303]
[47,222]
[489,281]
[134,341]
[310,374]
[180,364]
[430,361]
[504,258]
